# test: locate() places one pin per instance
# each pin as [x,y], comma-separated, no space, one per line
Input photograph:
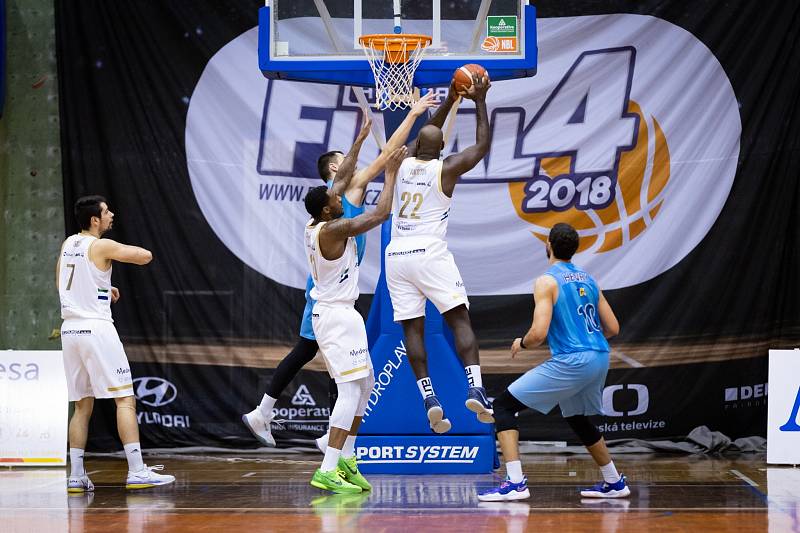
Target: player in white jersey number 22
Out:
[94,359]
[418,264]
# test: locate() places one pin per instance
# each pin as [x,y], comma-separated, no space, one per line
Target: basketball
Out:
[462,77]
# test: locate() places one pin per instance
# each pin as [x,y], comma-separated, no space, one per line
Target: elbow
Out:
[612,331]
[383,215]
[146,257]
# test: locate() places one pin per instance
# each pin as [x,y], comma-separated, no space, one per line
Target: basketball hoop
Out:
[394,59]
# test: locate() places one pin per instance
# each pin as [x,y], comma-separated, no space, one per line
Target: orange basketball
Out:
[462,77]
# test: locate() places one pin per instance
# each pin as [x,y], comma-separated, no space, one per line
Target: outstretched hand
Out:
[366,127]
[423,104]
[477,91]
[395,159]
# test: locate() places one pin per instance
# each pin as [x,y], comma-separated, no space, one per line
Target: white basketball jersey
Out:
[336,280]
[420,208]
[84,289]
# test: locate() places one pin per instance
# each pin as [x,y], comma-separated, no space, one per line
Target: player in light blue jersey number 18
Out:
[575,318]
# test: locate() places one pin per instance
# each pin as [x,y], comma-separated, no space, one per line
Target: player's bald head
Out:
[430,140]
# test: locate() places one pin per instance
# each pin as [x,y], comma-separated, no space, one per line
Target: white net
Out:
[393,61]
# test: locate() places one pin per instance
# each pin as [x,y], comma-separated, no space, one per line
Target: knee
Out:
[84,407]
[126,402]
[587,432]
[505,409]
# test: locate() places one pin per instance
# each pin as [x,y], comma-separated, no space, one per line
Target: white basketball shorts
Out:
[342,339]
[94,360]
[420,268]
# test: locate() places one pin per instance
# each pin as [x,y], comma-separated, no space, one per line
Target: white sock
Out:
[76,462]
[266,405]
[425,387]
[474,375]
[514,471]
[133,452]
[322,442]
[349,448]
[610,474]
[331,459]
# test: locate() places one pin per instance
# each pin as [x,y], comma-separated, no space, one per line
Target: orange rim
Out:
[396,46]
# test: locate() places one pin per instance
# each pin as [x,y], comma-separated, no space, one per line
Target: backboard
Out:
[317,40]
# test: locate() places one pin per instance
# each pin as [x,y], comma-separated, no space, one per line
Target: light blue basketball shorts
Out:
[574,381]
[306,329]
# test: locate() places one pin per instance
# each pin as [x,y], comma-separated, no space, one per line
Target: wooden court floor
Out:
[270,492]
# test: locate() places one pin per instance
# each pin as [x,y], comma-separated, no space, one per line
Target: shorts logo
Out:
[303,397]
[155,392]
[76,332]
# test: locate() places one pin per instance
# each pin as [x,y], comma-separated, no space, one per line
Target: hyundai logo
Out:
[154,391]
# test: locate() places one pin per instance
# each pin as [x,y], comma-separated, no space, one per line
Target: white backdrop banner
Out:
[33,408]
[783,407]
[629,131]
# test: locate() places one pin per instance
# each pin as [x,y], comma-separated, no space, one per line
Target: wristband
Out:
[522,343]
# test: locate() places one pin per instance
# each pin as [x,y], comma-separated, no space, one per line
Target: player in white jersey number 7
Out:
[418,264]
[94,359]
[333,260]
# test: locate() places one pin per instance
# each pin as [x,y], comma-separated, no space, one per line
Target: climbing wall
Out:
[30,180]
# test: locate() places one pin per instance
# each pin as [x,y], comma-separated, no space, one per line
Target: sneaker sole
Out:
[138,486]
[484,415]
[510,497]
[611,494]
[77,491]
[258,437]
[438,423]
[337,490]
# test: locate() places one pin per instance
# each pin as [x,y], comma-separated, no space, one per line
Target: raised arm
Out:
[460,163]
[334,234]
[355,190]
[348,166]
[545,292]
[607,317]
[438,117]
[109,250]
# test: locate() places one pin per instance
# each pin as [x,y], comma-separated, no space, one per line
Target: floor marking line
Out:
[744,478]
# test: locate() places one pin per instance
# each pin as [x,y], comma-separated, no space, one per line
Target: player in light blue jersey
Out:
[573,315]
[337,171]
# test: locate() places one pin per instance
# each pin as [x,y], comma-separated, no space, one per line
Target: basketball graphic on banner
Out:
[643,174]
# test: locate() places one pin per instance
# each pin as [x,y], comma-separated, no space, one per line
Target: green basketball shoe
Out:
[350,469]
[333,481]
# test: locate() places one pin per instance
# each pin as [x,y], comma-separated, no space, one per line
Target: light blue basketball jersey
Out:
[575,326]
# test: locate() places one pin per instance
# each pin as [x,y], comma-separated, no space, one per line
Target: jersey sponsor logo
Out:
[600,139]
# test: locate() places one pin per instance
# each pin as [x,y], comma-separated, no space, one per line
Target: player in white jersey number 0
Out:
[339,329]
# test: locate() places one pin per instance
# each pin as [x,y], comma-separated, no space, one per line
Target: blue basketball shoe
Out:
[478,403]
[608,490]
[507,491]
[439,424]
